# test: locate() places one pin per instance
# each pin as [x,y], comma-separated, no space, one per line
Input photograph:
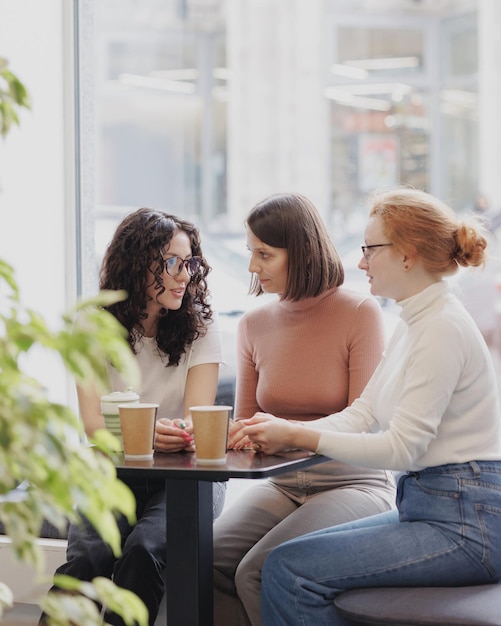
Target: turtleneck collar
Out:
[423,300]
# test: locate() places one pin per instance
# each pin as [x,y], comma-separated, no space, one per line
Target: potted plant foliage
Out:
[13,96]
[46,467]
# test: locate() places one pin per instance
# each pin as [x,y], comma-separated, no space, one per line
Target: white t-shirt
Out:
[165,385]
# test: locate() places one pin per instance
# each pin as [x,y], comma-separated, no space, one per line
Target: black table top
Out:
[239,464]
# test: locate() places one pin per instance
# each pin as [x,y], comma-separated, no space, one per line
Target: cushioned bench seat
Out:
[426,606]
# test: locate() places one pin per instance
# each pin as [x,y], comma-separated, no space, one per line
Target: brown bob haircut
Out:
[292,222]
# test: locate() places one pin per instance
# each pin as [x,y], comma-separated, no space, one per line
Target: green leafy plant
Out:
[13,96]
[42,447]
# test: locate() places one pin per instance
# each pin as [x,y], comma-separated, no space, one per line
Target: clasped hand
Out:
[173,435]
[263,432]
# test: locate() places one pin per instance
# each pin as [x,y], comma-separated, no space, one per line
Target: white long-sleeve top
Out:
[432,400]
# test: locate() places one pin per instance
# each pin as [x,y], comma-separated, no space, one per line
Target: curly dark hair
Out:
[135,249]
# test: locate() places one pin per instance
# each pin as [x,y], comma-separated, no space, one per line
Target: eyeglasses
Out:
[174,265]
[366,249]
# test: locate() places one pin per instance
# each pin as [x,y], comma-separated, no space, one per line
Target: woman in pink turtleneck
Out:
[305,356]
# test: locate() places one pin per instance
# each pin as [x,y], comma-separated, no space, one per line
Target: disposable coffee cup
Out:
[210,430]
[137,422]
[109,410]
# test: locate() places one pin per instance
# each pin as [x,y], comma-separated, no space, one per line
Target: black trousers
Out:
[140,567]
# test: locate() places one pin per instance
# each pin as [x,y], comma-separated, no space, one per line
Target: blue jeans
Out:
[447,532]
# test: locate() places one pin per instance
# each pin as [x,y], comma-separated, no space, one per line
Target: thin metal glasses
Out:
[174,265]
[366,249]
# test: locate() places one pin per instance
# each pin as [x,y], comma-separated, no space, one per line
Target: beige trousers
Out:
[269,513]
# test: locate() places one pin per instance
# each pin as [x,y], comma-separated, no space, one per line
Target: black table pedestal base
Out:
[189,550]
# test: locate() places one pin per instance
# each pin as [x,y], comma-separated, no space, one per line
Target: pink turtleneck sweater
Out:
[307,359]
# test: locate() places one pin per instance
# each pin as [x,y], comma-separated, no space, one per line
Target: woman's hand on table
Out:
[271,434]
[173,435]
[266,432]
[237,439]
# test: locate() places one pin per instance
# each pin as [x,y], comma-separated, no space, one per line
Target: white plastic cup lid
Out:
[120,396]
[110,402]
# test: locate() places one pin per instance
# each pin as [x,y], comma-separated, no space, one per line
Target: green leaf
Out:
[41,441]
[6,598]
[81,597]
[13,97]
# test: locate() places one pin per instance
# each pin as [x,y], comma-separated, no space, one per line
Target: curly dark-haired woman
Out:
[157,259]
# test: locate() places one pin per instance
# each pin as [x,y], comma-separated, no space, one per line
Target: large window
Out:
[403,92]
[153,115]
[380,89]
[203,107]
